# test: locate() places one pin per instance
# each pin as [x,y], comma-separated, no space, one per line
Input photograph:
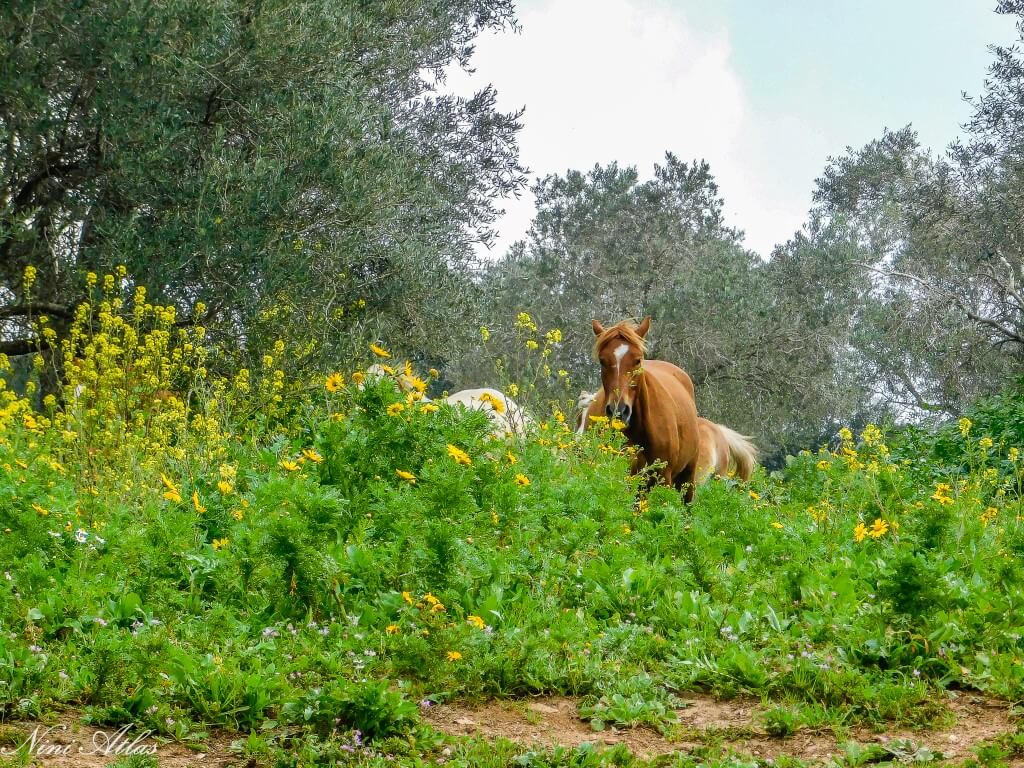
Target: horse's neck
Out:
[637,431]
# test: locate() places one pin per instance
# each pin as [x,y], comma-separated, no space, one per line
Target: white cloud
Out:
[627,80]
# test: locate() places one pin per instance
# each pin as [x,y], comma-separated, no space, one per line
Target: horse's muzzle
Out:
[621,411]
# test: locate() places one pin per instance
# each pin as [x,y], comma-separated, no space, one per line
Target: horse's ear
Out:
[598,328]
[644,327]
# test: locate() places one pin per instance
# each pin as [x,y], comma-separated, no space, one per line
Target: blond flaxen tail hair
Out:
[742,452]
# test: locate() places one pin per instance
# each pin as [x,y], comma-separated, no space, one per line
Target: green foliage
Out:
[369,709]
[331,189]
[329,594]
[781,722]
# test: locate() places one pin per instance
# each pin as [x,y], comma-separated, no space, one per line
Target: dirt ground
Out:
[705,721]
[733,724]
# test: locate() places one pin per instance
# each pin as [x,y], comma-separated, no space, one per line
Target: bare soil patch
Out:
[731,724]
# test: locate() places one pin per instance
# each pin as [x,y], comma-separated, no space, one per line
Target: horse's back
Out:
[679,386]
[674,371]
[511,419]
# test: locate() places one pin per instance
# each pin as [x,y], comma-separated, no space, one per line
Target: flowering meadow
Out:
[311,562]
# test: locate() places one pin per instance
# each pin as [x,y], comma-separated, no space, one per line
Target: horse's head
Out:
[620,351]
[582,407]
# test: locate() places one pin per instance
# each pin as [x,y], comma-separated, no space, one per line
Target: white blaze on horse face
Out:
[620,352]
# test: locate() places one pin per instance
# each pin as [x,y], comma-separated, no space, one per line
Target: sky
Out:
[764,90]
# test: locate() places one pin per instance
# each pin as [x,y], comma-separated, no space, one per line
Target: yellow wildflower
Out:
[379,351]
[495,403]
[41,510]
[531,344]
[860,532]
[197,503]
[407,476]
[871,435]
[1013,454]
[172,493]
[617,424]
[224,487]
[288,464]
[237,514]
[358,377]
[524,321]
[522,480]
[460,456]
[312,455]
[985,443]
[334,382]
[755,495]
[845,435]
[395,408]
[777,525]
[989,515]
[965,425]
[454,655]
[219,543]
[941,494]
[429,408]
[485,333]
[391,629]
[476,621]
[407,596]
[878,528]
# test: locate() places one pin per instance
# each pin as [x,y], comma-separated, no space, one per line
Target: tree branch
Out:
[36,308]
[1008,333]
[22,347]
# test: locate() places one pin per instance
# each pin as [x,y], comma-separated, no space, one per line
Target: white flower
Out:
[81,535]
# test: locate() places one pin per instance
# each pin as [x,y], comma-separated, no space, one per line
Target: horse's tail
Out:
[742,452]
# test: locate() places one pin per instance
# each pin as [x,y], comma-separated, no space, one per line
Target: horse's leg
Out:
[685,481]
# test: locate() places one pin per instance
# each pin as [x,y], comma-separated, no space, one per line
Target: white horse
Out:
[583,403]
[507,416]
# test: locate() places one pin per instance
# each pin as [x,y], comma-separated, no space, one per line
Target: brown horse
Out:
[653,398]
[724,452]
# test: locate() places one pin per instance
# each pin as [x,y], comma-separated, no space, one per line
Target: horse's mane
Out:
[625,330]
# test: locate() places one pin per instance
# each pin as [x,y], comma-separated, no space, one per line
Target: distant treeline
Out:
[300,178]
